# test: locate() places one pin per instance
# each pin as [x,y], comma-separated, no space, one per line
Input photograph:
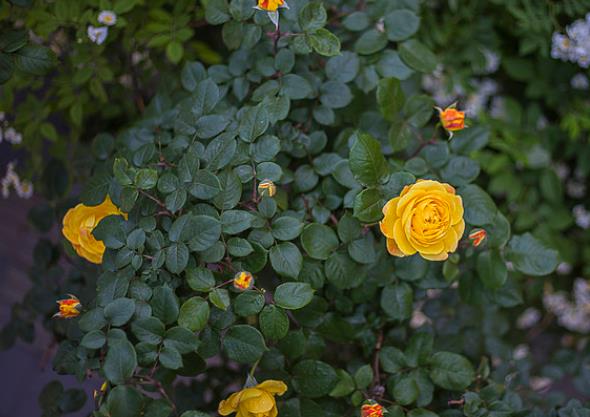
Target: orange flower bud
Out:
[243,281]
[477,236]
[371,409]
[68,307]
[267,188]
[270,5]
[451,119]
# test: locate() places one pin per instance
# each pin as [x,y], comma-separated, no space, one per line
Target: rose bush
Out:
[265,195]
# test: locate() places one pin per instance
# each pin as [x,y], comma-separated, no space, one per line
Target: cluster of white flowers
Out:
[474,103]
[581,216]
[571,314]
[99,34]
[574,46]
[7,133]
[23,188]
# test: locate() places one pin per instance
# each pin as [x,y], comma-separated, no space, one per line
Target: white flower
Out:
[540,383]
[528,318]
[97,35]
[520,352]
[24,189]
[107,17]
[582,216]
[563,268]
[492,61]
[12,136]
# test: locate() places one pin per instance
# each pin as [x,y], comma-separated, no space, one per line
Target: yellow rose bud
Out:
[243,281]
[427,218]
[451,119]
[477,236]
[68,307]
[80,221]
[270,5]
[257,401]
[267,188]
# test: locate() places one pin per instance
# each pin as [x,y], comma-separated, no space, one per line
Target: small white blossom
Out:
[540,383]
[520,352]
[97,34]
[418,319]
[574,46]
[107,17]
[528,318]
[24,189]
[580,82]
[492,61]
[581,216]
[564,268]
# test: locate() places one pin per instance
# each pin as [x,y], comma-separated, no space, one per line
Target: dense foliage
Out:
[334,108]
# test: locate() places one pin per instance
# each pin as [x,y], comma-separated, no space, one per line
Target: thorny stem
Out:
[148,380]
[155,200]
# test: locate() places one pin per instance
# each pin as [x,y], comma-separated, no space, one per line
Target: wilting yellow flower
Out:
[68,307]
[258,401]
[243,281]
[477,236]
[371,409]
[270,5]
[267,188]
[80,221]
[426,218]
[451,118]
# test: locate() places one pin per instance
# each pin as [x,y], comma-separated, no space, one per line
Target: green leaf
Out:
[492,269]
[93,340]
[363,376]
[335,95]
[343,68]
[148,330]
[345,385]
[324,42]
[342,271]
[392,359]
[120,361]
[368,205]
[253,123]
[421,412]
[396,301]
[244,344]
[194,314]
[177,256]
[124,401]
[236,221]
[210,126]
[146,178]
[220,298]
[417,56]
[530,256]
[286,228]
[209,232]
[401,24]
[319,241]
[390,98]
[314,379]
[366,160]
[165,304]
[274,322]
[405,390]
[119,311]
[312,17]
[370,42]
[200,279]
[13,40]
[34,59]
[239,247]
[248,303]
[286,259]
[293,295]
[170,358]
[174,51]
[479,207]
[451,371]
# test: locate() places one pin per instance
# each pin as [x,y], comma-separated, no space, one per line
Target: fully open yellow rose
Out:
[80,221]
[426,218]
[258,401]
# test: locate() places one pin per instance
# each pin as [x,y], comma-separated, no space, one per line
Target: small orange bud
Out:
[270,5]
[267,188]
[451,119]
[371,409]
[477,236]
[243,281]
[68,307]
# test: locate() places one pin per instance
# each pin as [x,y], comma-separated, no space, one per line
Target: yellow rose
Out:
[258,401]
[426,218]
[270,5]
[80,221]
